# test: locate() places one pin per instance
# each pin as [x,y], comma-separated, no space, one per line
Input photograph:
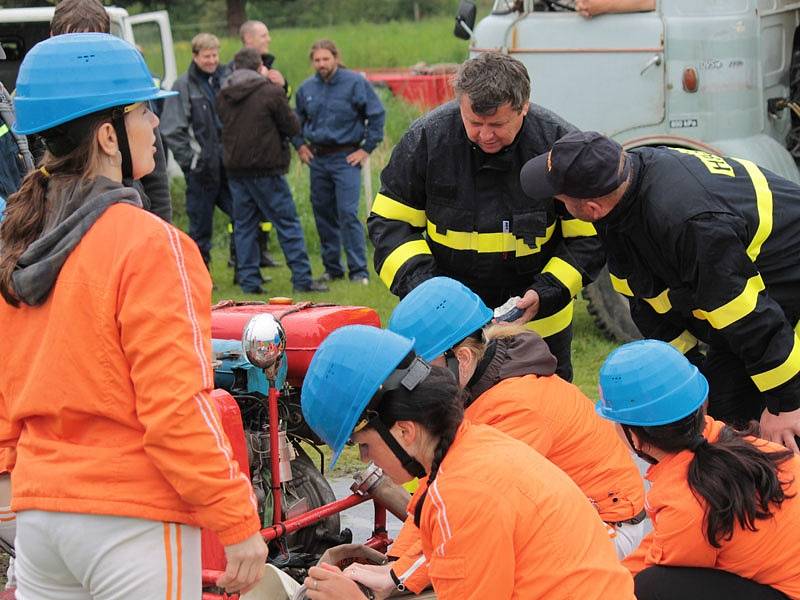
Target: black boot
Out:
[232,249]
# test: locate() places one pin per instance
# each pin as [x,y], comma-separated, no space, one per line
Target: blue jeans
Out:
[269,196]
[335,189]
[203,193]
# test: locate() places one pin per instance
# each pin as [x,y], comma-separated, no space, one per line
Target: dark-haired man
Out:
[706,248]
[451,204]
[342,121]
[256,126]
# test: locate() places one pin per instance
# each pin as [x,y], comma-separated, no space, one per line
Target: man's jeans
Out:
[270,196]
[335,188]
[203,193]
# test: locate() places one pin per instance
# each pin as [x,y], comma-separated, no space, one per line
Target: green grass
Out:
[361,46]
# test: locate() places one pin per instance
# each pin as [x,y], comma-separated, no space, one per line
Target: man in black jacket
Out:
[191,128]
[451,204]
[256,125]
[706,248]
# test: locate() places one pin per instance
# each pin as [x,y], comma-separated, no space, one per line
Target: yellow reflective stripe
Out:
[392,209]
[782,373]
[621,285]
[565,273]
[737,308]
[266,226]
[487,242]
[763,204]
[553,324]
[684,342]
[660,303]
[3,129]
[399,256]
[577,228]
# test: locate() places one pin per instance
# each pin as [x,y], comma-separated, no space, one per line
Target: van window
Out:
[17,39]
[148,42]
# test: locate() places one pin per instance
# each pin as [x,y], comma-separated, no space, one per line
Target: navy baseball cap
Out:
[582,164]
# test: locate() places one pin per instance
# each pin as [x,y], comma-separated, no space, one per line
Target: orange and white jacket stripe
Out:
[500,521]
[105,401]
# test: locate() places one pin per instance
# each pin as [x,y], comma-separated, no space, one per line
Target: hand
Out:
[528,303]
[263,71]
[781,428]
[305,154]
[588,8]
[357,158]
[375,577]
[327,582]
[276,77]
[245,564]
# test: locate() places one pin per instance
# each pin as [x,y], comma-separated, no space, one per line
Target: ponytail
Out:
[738,481]
[28,208]
[23,223]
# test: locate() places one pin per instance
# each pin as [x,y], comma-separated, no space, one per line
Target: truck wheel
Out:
[610,310]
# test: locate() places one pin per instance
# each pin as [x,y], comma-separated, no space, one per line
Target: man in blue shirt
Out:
[342,122]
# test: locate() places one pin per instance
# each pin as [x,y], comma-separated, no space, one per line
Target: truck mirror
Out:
[465,19]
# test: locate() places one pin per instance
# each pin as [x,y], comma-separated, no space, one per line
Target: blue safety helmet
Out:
[649,383]
[438,314]
[69,76]
[347,370]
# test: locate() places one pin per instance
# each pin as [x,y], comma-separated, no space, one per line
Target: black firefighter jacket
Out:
[447,208]
[708,248]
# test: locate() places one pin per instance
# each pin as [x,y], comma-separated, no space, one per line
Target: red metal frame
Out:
[379,540]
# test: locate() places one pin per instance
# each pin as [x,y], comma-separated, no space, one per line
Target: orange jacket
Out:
[769,556]
[104,398]
[500,521]
[556,419]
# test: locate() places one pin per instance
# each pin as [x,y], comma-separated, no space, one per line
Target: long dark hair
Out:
[738,481]
[436,404]
[27,209]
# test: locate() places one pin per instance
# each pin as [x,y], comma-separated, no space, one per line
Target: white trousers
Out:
[69,556]
[628,537]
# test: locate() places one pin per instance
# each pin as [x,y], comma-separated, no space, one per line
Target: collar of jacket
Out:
[515,356]
[213,79]
[624,215]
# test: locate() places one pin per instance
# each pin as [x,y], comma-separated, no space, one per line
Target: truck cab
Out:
[705,75]
[23,28]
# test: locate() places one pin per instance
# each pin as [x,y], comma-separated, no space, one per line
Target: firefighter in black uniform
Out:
[706,248]
[451,204]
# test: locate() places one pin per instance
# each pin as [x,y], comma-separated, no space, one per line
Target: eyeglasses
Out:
[131,107]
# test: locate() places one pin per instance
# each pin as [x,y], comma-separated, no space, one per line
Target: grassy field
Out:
[361,46]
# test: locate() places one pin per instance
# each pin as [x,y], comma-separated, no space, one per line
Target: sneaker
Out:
[327,278]
[360,280]
[314,286]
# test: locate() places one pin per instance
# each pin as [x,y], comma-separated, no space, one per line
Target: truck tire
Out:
[610,310]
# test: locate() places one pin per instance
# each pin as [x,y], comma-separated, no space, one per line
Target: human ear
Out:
[107,139]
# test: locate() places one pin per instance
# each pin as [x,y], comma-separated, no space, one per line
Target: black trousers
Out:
[688,583]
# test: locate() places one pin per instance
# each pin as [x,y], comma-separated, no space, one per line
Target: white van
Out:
[22,28]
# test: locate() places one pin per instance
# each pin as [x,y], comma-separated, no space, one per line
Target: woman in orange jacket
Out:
[497,520]
[115,449]
[509,378]
[724,504]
